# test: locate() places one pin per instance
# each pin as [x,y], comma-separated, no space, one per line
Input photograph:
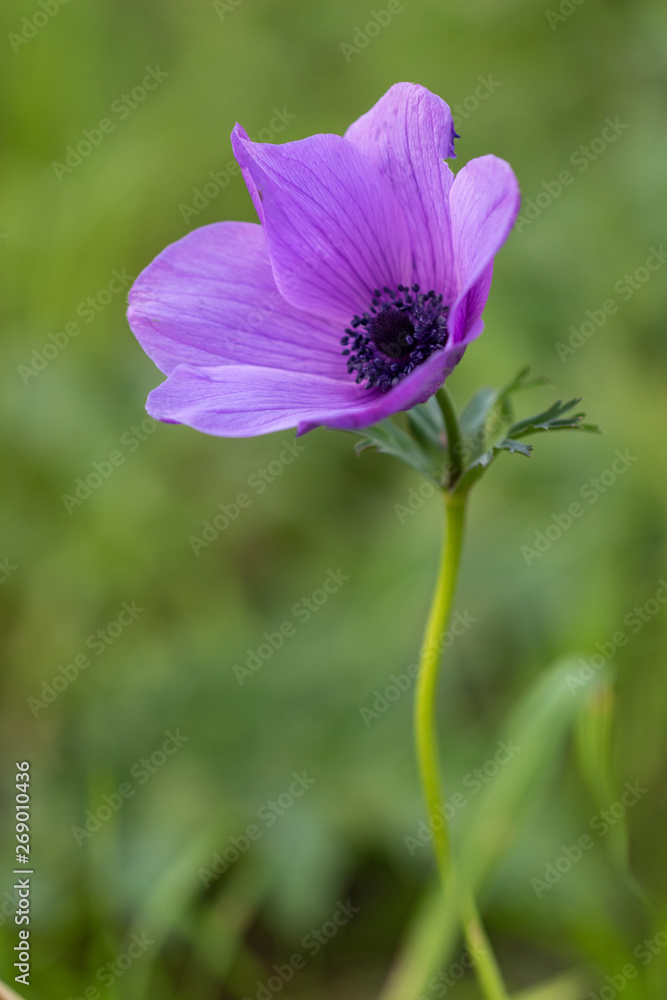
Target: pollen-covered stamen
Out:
[401,329]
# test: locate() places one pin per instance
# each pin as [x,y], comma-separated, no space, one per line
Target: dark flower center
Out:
[392,332]
[401,330]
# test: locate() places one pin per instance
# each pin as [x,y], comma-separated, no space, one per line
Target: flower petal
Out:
[484,203]
[334,227]
[244,400]
[415,388]
[408,133]
[211,299]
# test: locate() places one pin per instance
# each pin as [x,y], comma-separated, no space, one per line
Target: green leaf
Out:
[518,447]
[486,420]
[539,726]
[594,731]
[521,382]
[487,427]
[428,418]
[430,941]
[476,413]
[389,439]
[552,419]
[169,900]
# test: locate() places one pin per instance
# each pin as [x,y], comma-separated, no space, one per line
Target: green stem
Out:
[427,749]
[486,966]
[454,443]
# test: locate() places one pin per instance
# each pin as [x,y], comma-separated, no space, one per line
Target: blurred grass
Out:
[129,541]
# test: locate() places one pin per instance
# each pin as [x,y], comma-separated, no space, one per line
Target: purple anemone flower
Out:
[355,296]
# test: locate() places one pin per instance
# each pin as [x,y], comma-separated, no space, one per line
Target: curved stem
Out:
[427,746]
[485,964]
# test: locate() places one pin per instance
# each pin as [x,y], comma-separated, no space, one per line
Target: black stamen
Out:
[400,332]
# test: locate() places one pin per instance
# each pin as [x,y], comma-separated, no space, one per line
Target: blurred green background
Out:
[69,567]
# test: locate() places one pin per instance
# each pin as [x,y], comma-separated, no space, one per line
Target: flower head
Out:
[355,296]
